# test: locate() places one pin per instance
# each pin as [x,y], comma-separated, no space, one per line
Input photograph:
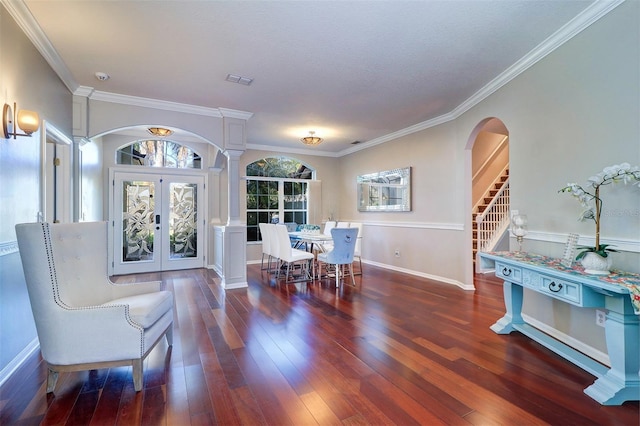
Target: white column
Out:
[231,239]
[233,175]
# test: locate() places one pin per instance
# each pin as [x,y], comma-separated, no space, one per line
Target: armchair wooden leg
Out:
[52,379]
[137,374]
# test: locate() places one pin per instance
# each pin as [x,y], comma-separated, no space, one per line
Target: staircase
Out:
[491,216]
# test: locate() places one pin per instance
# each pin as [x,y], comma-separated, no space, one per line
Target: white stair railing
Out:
[494,220]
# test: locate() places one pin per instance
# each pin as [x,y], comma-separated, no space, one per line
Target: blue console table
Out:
[618,293]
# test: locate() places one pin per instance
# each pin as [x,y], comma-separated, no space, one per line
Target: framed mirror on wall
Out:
[386,191]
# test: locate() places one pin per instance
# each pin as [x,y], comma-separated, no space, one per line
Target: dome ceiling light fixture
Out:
[160,132]
[311,139]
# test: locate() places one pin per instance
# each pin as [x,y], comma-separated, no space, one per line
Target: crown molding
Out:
[591,14]
[299,151]
[234,113]
[25,20]
[85,91]
[116,98]
[583,20]
[154,103]
[19,11]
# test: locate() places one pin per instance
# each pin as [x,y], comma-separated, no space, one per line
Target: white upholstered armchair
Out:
[84,321]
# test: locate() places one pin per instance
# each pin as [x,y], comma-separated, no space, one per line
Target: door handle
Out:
[157,221]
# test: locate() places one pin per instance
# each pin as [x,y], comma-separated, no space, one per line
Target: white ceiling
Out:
[350,70]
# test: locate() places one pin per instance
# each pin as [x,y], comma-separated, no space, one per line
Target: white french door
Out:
[157,222]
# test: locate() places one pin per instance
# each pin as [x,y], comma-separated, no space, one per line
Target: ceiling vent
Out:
[239,79]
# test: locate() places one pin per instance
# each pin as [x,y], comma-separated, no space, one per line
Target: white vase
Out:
[595,264]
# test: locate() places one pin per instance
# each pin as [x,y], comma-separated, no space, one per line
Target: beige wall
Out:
[25,78]
[429,237]
[569,116]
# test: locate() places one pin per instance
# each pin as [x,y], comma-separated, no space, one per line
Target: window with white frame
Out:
[277,191]
[159,153]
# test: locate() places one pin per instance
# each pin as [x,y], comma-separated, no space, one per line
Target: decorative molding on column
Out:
[234,133]
[80,141]
[220,161]
[80,116]
[214,191]
[233,176]
[230,256]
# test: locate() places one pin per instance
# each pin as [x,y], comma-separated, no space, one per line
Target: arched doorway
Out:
[488,171]
[157,206]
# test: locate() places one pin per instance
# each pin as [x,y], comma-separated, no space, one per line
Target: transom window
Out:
[277,191]
[159,153]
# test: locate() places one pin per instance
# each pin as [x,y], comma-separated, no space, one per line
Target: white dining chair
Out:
[266,245]
[328,226]
[274,247]
[290,256]
[358,250]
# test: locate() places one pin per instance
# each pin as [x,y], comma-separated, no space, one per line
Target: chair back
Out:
[264,235]
[358,251]
[328,226]
[344,245]
[274,247]
[342,225]
[291,226]
[281,236]
[59,260]
[64,257]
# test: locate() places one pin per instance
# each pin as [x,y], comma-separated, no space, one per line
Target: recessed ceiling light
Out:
[239,79]
[102,76]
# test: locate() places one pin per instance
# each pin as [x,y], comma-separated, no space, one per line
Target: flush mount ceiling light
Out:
[160,132]
[239,79]
[27,121]
[311,139]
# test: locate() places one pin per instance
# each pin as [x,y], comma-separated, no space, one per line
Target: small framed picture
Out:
[570,250]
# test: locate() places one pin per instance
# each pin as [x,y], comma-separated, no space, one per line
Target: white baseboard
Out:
[15,363]
[589,351]
[421,274]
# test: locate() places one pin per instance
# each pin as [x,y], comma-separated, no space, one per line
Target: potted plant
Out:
[596,259]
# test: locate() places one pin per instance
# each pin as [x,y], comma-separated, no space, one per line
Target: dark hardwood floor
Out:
[397,349]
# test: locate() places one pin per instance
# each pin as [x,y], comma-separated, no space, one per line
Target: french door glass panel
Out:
[158,225]
[138,227]
[183,220]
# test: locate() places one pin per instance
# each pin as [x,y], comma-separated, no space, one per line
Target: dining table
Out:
[310,240]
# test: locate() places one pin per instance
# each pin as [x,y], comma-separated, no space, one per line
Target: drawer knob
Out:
[555,287]
[506,272]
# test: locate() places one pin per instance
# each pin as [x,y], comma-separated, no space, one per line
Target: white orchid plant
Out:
[617,173]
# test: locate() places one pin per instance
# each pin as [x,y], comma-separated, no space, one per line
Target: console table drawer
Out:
[560,289]
[508,272]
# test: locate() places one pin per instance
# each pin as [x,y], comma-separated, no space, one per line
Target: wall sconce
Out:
[27,121]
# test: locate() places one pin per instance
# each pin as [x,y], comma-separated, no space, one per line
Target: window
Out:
[277,191]
[159,153]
